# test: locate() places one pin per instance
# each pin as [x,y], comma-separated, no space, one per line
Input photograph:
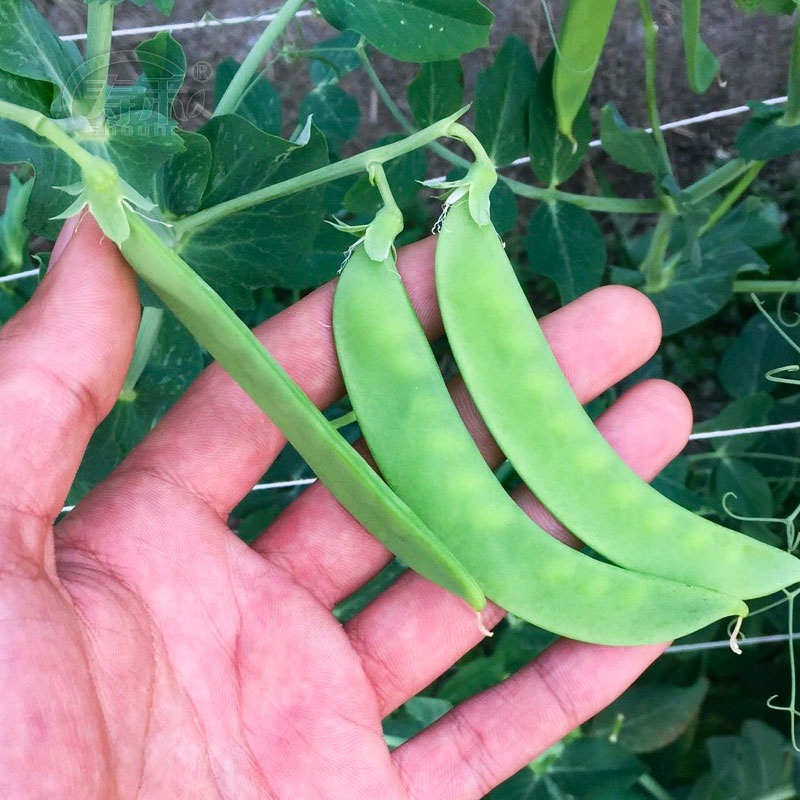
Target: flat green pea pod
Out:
[429,458]
[547,436]
[344,472]
[580,43]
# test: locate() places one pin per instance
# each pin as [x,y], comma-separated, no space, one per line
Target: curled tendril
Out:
[774,375]
[787,321]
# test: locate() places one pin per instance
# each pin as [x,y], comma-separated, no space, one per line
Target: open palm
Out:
[146,652]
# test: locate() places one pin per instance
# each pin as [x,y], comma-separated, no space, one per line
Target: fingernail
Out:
[67,232]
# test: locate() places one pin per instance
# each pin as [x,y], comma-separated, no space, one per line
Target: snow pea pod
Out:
[547,436]
[580,43]
[351,480]
[427,455]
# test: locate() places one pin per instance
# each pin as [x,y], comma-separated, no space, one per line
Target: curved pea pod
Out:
[343,471]
[557,451]
[428,457]
[580,43]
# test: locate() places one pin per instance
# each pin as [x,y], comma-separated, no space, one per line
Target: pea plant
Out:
[223,216]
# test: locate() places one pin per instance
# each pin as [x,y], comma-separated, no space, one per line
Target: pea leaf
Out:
[334,58]
[554,158]
[502,100]
[335,112]
[762,137]
[164,6]
[414,30]
[632,148]
[29,47]
[565,244]
[753,764]
[163,64]
[182,180]
[436,91]
[259,246]
[767,6]
[650,716]
[744,412]
[701,285]
[261,104]
[587,764]
[52,168]
[701,64]
[756,350]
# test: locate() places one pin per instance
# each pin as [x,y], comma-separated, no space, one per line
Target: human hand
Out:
[146,652]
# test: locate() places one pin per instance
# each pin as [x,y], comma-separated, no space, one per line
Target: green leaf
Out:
[182,180]
[554,158]
[414,30]
[138,143]
[436,91]
[164,6]
[27,92]
[635,149]
[174,363]
[763,138]
[702,66]
[757,349]
[412,717]
[650,716]
[261,104]
[14,235]
[163,64]
[755,764]
[332,59]
[592,764]
[334,111]
[18,145]
[30,48]
[259,246]
[565,244]
[767,6]
[701,286]
[503,94]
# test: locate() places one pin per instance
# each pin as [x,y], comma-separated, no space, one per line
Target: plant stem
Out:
[791,115]
[603,204]
[766,287]
[650,51]
[611,205]
[733,195]
[98,57]
[398,115]
[652,267]
[332,172]
[239,86]
[47,129]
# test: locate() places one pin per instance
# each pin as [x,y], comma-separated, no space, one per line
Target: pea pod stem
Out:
[344,472]
[240,84]
[332,172]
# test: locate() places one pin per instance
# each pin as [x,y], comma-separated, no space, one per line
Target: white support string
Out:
[207,22]
[695,647]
